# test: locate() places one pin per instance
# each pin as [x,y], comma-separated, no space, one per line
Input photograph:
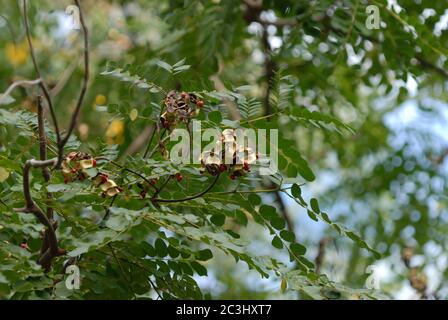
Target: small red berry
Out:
[222,167]
[179,177]
[94,163]
[153,182]
[200,103]
[24,245]
[185,95]
[246,166]
[233,177]
[61,251]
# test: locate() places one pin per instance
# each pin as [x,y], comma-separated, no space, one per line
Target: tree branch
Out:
[85,81]
[31,207]
[188,198]
[23,83]
[45,171]
[36,68]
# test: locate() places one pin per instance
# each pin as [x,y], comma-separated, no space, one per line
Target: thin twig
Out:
[11,30]
[45,171]
[321,254]
[42,84]
[161,141]
[131,171]
[200,194]
[149,142]
[23,83]
[84,84]
[65,77]
[31,207]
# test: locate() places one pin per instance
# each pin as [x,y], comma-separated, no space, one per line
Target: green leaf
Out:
[215,116]
[254,199]
[297,249]
[204,255]
[58,187]
[218,219]
[161,248]
[268,212]
[278,223]
[277,242]
[287,235]
[296,191]
[199,268]
[315,205]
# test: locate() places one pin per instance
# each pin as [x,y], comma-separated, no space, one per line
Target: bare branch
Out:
[42,138]
[65,77]
[85,81]
[45,172]
[42,84]
[187,198]
[321,254]
[31,207]
[22,83]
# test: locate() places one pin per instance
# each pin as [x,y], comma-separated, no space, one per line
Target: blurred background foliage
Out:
[387,180]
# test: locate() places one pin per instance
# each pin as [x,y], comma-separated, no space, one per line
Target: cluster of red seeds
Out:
[75,164]
[109,187]
[179,107]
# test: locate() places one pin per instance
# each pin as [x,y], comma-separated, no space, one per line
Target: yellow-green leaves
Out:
[4,174]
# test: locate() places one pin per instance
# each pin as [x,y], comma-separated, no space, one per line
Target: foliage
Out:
[150,228]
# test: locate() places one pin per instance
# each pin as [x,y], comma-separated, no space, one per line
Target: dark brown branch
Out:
[270,68]
[160,188]
[45,171]
[149,142]
[417,279]
[321,254]
[426,64]
[131,171]
[284,211]
[42,84]
[139,141]
[42,138]
[200,194]
[85,80]
[31,207]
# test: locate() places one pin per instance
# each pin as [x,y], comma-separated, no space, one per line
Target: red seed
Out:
[179,177]
[222,167]
[24,245]
[94,162]
[199,103]
[233,177]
